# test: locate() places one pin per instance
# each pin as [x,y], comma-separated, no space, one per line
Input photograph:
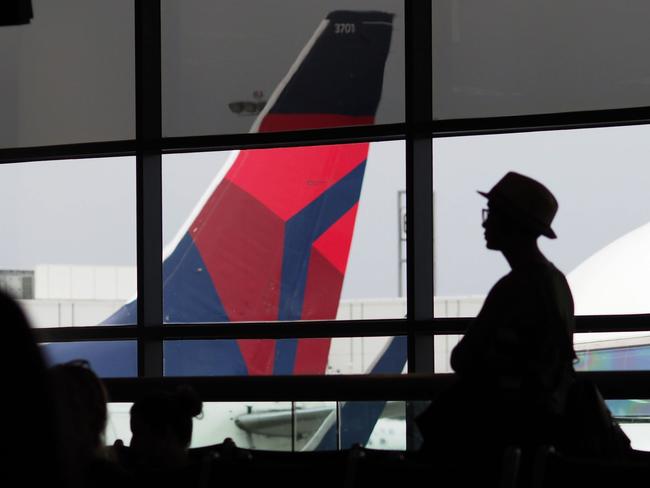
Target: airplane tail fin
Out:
[336,79]
[270,239]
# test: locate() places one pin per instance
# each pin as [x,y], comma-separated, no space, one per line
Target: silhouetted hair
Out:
[81,398]
[30,431]
[162,411]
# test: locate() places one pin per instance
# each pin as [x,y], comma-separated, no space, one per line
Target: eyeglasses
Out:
[485,213]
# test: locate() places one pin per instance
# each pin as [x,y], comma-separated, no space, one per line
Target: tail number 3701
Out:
[343,28]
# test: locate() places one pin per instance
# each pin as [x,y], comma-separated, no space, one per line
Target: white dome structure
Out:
[616,279]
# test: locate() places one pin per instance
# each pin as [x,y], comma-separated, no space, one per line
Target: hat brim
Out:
[543,229]
[548,232]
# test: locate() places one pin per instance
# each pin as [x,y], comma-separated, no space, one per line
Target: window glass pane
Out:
[360,355]
[314,420]
[600,178]
[513,58]
[68,251]
[108,359]
[236,66]
[283,234]
[268,425]
[377,425]
[600,351]
[69,75]
[634,418]
[118,423]
[443,345]
[251,425]
[221,420]
[613,351]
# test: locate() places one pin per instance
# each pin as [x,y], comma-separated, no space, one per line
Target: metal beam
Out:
[382,132]
[315,329]
[149,182]
[419,181]
[612,384]
[419,194]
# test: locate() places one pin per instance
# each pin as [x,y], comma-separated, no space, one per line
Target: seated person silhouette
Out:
[81,399]
[161,424]
[33,451]
[514,365]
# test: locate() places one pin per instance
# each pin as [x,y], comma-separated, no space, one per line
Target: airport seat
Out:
[187,476]
[228,463]
[372,468]
[322,469]
[358,467]
[557,470]
[226,449]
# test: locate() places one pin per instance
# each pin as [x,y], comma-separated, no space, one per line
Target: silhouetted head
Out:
[81,399]
[30,429]
[519,209]
[161,423]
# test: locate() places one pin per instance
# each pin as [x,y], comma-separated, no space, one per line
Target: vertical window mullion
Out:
[419,179]
[149,183]
[419,193]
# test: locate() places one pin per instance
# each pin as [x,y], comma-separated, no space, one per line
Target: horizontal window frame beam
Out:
[313,329]
[583,324]
[415,386]
[300,138]
[375,133]
[222,142]
[587,119]
[90,150]
[222,331]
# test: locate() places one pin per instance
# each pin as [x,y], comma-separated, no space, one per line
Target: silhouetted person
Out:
[81,400]
[515,363]
[161,424]
[32,449]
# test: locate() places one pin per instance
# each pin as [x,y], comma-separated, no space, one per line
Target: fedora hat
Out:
[526,200]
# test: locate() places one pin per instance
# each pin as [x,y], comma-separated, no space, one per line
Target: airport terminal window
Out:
[596,351]
[271,425]
[266,425]
[309,417]
[505,58]
[602,230]
[600,179]
[442,347]
[68,247]
[69,75]
[224,63]
[217,87]
[297,233]
[386,419]
[613,351]
[632,416]
[312,356]
[108,359]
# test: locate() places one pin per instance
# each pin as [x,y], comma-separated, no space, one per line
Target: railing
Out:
[612,384]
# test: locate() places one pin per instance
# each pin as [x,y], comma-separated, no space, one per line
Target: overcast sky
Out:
[600,178]
[83,212]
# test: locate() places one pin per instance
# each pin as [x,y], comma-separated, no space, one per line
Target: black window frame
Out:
[418,130]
